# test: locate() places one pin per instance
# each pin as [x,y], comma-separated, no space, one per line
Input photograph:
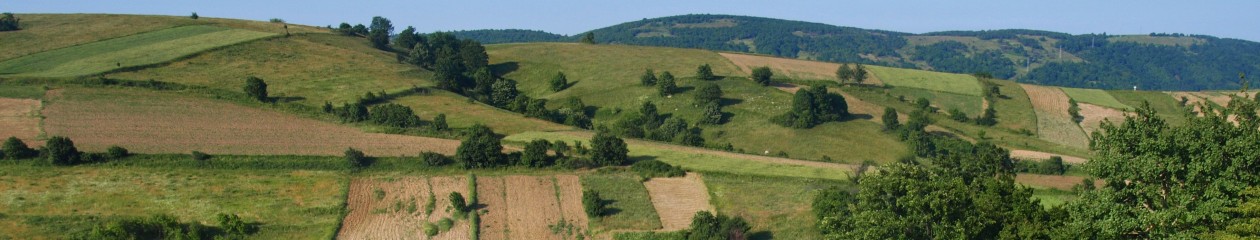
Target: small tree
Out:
[559,82]
[439,123]
[379,32]
[608,150]
[592,203]
[708,94]
[61,151]
[14,148]
[116,152]
[256,88]
[665,84]
[844,73]
[922,103]
[762,75]
[588,38]
[355,158]
[890,119]
[8,22]
[648,78]
[535,154]
[480,148]
[859,73]
[711,114]
[705,72]
[457,203]
[194,16]
[1054,165]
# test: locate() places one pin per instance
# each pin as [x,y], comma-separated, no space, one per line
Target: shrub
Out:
[592,203]
[762,75]
[256,88]
[458,204]
[1054,165]
[194,16]
[559,82]
[393,115]
[958,115]
[14,148]
[705,72]
[116,152]
[61,151]
[439,123]
[480,148]
[707,226]
[8,22]
[665,84]
[535,154]
[430,205]
[445,224]
[474,228]
[154,227]
[233,225]
[609,150]
[433,159]
[430,229]
[654,168]
[355,158]
[199,156]
[648,78]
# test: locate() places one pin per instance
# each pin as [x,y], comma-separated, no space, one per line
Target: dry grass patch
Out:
[1053,122]
[1095,115]
[1060,182]
[159,122]
[461,113]
[678,199]
[20,118]
[791,68]
[1035,155]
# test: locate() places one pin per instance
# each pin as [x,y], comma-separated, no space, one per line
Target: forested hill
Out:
[1150,62]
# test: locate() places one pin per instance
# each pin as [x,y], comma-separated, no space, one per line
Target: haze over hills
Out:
[1156,61]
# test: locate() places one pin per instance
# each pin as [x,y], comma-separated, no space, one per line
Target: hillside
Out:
[1154,61]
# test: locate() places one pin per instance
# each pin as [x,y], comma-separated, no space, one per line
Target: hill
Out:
[1154,61]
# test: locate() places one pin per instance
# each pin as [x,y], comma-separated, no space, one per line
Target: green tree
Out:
[708,94]
[379,32]
[559,82]
[439,123]
[648,78]
[393,115]
[458,203]
[705,72]
[355,158]
[922,103]
[859,73]
[890,119]
[762,75]
[592,203]
[588,38]
[116,152]
[503,92]
[61,151]
[14,148]
[479,149]
[711,114]
[1246,223]
[194,16]
[987,118]
[535,154]
[844,73]
[256,88]
[420,55]
[706,226]
[407,39]
[665,84]
[608,150]
[8,22]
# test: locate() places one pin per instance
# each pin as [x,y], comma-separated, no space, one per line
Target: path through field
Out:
[20,118]
[1053,122]
[678,199]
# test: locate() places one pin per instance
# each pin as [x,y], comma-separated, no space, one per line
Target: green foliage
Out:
[648,78]
[859,73]
[154,227]
[474,226]
[535,154]
[116,152]
[762,75]
[592,203]
[1246,222]
[812,107]
[430,204]
[654,169]
[559,82]
[665,84]
[458,204]
[61,151]
[588,38]
[950,56]
[433,159]
[832,202]
[503,92]
[472,191]
[890,119]
[987,118]
[479,149]
[844,73]
[352,112]
[706,226]
[355,158]
[705,72]
[393,115]
[407,39]
[1052,166]
[1075,111]
[710,114]
[607,149]
[8,22]
[439,123]
[922,103]
[14,148]
[429,229]
[379,32]
[958,115]
[233,225]
[194,16]
[199,156]
[256,88]
[445,224]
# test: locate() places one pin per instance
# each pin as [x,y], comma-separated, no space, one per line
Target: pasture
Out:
[1013,107]
[630,207]
[935,81]
[791,68]
[1096,97]
[969,104]
[783,214]
[461,113]
[130,51]
[1164,104]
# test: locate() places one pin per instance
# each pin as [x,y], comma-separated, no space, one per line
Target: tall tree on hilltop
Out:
[379,32]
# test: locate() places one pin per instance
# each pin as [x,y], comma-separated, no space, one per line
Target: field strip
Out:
[569,191]
[678,199]
[20,118]
[532,206]
[372,218]
[936,81]
[1095,115]
[130,51]
[159,122]
[792,68]
[1035,155]
[1053,122]
[1061,182]
[1094,96]
[492,194]
[442,188]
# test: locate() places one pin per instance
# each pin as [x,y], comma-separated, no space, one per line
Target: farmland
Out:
[630,201]
[1014,108]
[791,68]
[1096,97]
[130,51]
[935,81]
[1053,122]
[784,215]
[678,199]
[1164,104]
[19,118]
[971,105]
[158,122]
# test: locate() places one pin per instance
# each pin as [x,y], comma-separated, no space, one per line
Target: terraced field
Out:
[130,51]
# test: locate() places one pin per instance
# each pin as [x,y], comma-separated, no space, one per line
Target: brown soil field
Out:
[1095,115]
[372,218]
[569,188]
[791,68]
[1035,155]
[20,118]
[159,122]
[678,199]
[532,206]
[524,207]
[491,194]
[442,189]
[1053,122]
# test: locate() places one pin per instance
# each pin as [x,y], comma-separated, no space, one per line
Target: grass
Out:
[1014,108]
[631,208]
[1166,41]
[935,81]
[53,202]
[784,213]
[130,51]
[461,113]
[1095,96]
[694,161]
[22,91]
[971,105]
[1165,105]
[1053,197]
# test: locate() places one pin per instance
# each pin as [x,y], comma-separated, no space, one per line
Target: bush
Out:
[654,168]
[439,123]
[445,224]
[200,156]
[433,159]
[535,154]
[256,88]
[707,226]
[430,229]
[393,115]
[458,204]
[194,16]
[648,78]
[762,75]
[154,227]
[474,228]
[233,225]
[559,82]
[479,149]
[14,148]
[609,150]
[705,72]
[355,158]
[958,115]
[8,22]
[592,203]
[61,151]
[116,152]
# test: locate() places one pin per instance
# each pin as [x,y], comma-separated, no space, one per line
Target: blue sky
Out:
[1232,19]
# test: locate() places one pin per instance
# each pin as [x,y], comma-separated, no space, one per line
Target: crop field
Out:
[397,208]
[1164,104]
[1038,156]
[135,50]
[1013,107]
[791,68]
[935,81]
[1053,122]
[784,214]
[20,118]
[1096,97]
[54,202]
[630,208]
[969,104]
[314,68]
[161,122]
[678,199]
[1095,115]
[460,113]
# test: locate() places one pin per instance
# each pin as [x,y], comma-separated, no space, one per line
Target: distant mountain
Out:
[1153,62]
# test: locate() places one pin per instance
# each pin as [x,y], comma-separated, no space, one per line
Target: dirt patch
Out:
[678,199]
[1051,181]
[490,194]
[792,68]
[20,118]
[525,207]
[1095,115]
[1053,122]
[159,122]
[569,189]
[532,206]
[1035,155]
[388,217]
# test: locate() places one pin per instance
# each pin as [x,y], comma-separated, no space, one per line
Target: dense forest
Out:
[1093,60]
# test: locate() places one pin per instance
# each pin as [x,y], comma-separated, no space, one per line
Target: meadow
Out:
[125,52]
[1096,97]
[935,81]
[630,208]
[783,214]
[462,113]
[1014,108]
[1164,104]
[944,101]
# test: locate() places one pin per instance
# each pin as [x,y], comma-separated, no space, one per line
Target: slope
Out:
[126,52]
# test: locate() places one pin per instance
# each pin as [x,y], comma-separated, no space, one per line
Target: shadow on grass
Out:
[504,68]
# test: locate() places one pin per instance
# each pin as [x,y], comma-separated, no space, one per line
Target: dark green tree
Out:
[559,82]
[923,103]
[61,151]
[420,55]
[353,112]
[844,73]
[439,123]
[407,39]
[479,149]
[14,148]
[708,94]
[762,75]
[194,16]
[256,88]
[890,120]
[711,113]
[503,92]
[359,30]
[535,154]
[8,22]
[859,73]
[379,32]
[458,203]
[648,78]
[665,84]
[393,115]
[588,38]
[592,203]
[705,72]
[608,150]
[355,158]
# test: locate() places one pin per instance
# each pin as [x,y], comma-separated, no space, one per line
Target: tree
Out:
[359,30]
[859,73]
[61,151]
[256,88]
[706,226]
[503,92]
[116,152]
[987,118]
[708,94]
[420,55]
[762,75]
[393,115]
[608,150]
[813,106]
[922,103]
[559,82]
[890,119]
[439,123]
[355,158]
[379,32]
[711,114]
[648,78]
[8,22]
[588,38]
[844,73]
[353,112]
[194,16]
[14,148]
[479,149]
[535,154]
[458,203]
[665,84]
[407,39]
[705,72]
[592,203]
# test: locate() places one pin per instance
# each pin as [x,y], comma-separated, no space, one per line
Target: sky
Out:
[1229,19]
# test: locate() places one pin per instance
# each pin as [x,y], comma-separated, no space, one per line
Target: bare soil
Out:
[372,218]
[1095,115]
[20,118]
[1054,124]
[491,194]
[678,199]
[532,206]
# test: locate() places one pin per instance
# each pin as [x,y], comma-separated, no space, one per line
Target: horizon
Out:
[574,17]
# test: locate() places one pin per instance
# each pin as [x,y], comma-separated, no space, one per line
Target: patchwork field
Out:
[783,214]
[55,202]
[160,122]
[20,118]
[1095,115]
[791,68]
[1096,97]
[1013,107]
[1053,122]
[630,207]
[130,51]
[678,199]
[935,81]
[398,208]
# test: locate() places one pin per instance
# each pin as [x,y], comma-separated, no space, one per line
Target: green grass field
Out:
[1166,41]
[935,81]
[784,213]
[22,91]
[969,104]
[54,202]
[678,156]
[1095,96]
[1165,105]
[1014,109]
[135,50]
[461,113]
[631,208]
